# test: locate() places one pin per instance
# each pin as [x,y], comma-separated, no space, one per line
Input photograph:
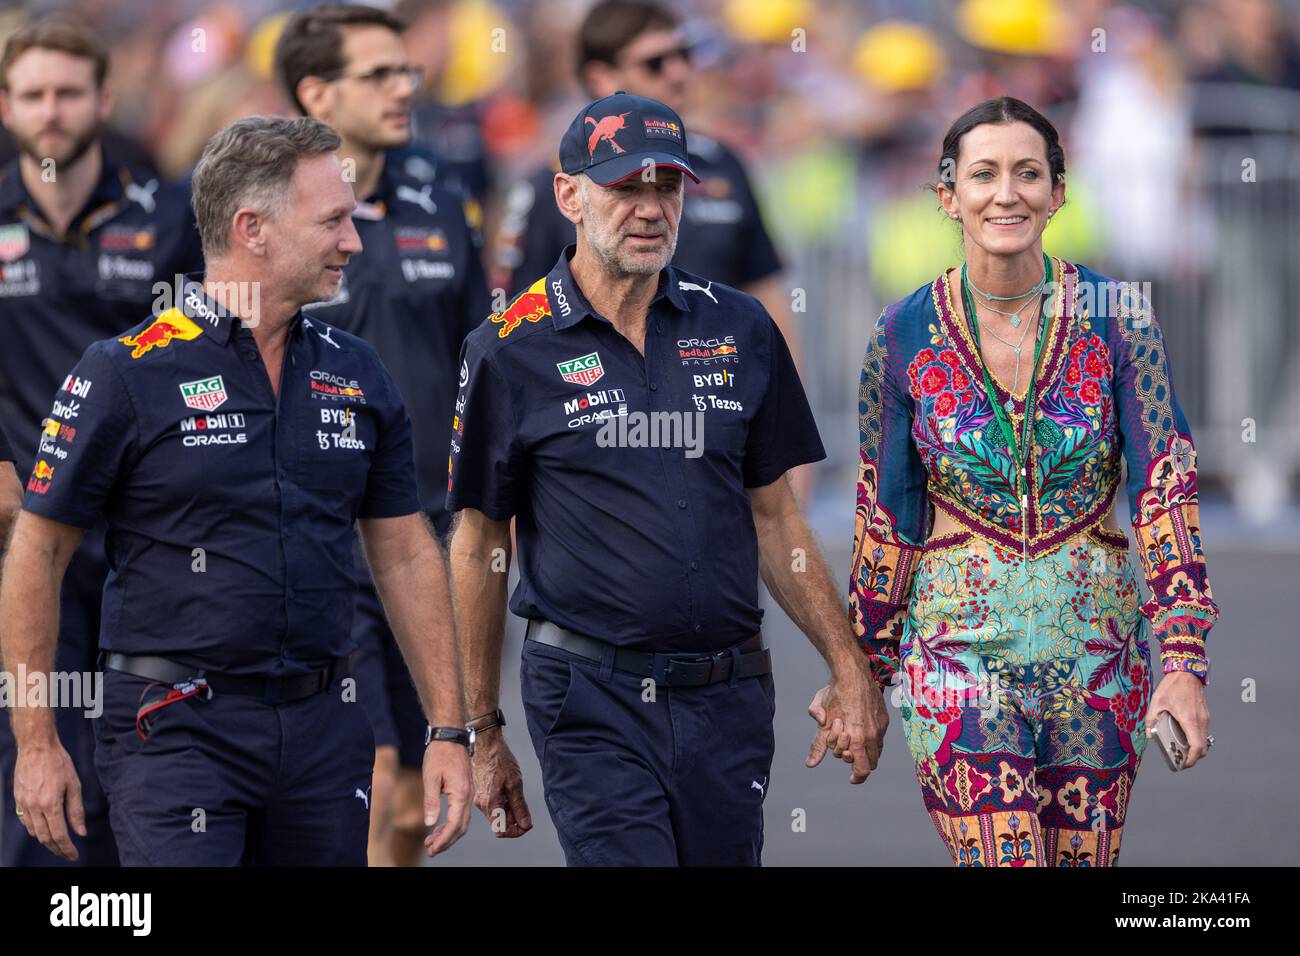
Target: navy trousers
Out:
[235,781]
[649,776]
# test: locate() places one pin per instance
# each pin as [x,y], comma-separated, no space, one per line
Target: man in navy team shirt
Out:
[638,422]
[232,445]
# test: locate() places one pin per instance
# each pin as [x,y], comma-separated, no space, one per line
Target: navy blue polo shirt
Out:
[414,293]
[721,234]
[60,293]
[627,474]
[230,512]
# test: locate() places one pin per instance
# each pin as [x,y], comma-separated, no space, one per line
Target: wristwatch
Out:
[456,735]
[490,721]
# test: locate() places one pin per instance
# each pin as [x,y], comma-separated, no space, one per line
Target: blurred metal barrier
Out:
[1229,301]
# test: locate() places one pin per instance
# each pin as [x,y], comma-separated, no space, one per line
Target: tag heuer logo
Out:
[14,242]
[206,394]
[584,370]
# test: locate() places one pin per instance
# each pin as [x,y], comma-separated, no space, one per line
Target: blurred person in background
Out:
[414,293]
[1134,182]
[447,144]
[1257,45]
[973,529]
[83,239]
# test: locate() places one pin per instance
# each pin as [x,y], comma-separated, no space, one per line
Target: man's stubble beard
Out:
[605,248]
[80,146]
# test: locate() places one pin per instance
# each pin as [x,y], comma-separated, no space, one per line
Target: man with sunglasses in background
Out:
[414,293]
[636,46]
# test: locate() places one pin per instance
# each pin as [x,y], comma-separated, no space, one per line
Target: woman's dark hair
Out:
[1004,109]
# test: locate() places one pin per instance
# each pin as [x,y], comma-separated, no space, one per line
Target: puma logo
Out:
[760,787]
[142,195]
[363,796]
[307,323]
[421,198]
[692,287]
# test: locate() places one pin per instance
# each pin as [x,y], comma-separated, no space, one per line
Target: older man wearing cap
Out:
[638,423]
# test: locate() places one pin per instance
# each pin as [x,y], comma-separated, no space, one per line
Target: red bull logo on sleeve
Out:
[172,324]
[531,306]
[42,475]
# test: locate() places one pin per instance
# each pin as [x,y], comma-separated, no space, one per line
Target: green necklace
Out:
[1019,450]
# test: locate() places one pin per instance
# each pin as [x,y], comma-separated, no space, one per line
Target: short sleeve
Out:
[892,513]
[1162,491]
[390,485]
[485,463]
[85,443]
[783,433]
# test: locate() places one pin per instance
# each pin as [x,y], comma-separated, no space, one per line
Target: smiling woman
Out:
[988,573]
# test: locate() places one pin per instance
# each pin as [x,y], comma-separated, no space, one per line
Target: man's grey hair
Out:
[250,164]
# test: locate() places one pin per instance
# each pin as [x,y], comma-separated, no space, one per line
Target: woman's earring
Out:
[953,215]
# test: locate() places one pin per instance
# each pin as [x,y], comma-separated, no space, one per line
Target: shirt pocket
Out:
[336,448]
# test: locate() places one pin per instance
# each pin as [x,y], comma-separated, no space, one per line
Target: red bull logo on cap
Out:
[172,324]
[531,306]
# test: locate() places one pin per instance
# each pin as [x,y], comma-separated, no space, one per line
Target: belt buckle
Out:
[720,669]
[693,661]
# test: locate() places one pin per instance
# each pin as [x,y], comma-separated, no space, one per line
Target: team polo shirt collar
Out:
[560,282]
[208,314]
[111,188]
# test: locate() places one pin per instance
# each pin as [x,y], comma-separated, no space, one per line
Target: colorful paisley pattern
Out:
[1033,605]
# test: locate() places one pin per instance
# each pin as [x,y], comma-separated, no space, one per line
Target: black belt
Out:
[272,690]
[670,668]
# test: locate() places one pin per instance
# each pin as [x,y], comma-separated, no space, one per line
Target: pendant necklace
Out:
[1014,316]
[1015,347]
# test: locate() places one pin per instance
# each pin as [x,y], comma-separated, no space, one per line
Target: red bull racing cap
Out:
[617,137]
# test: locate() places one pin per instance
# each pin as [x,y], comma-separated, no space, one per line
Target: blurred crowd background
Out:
[1180,120]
